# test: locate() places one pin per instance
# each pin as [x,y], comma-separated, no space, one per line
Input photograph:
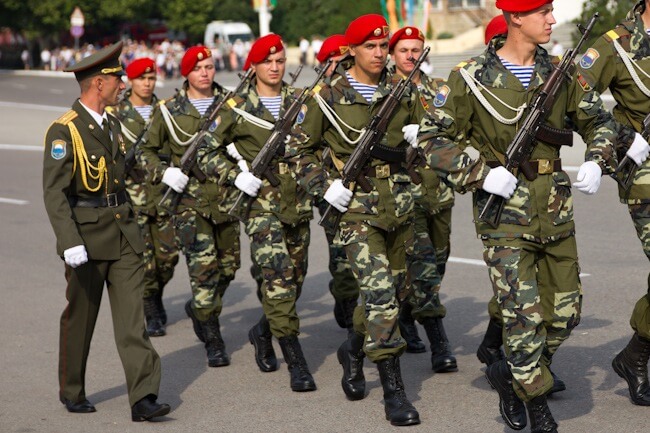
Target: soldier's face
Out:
[202,76]
[110,88]
[536,25]
[335,63]
[270,71]
[144,85]
[371,56]
[403,51]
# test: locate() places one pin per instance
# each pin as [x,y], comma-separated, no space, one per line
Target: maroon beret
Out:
[520,5]
[192,56]
[405,33]
[269,44]
[366,27]
[333,46]
[496,26]
[141,66]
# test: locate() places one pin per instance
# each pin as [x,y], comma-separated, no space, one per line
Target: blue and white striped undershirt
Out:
[524,73]
[201,104]
[273,104]
[144,111]
[365,90]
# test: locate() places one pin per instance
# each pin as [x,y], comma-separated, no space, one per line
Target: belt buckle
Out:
[382,171]
[283,168]
[544,166]
[111,200]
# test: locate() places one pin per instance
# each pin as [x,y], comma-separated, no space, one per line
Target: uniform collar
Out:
[99,118]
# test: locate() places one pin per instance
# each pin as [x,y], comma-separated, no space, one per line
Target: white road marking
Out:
[32,106]
[13,201]
[21,147]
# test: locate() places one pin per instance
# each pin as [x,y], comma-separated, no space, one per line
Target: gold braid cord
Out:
[97,173]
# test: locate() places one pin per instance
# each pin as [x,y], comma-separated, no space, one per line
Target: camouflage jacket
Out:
[287,201]
[391,199]
[131,120]
[601,68]
[205,198]
[540,210]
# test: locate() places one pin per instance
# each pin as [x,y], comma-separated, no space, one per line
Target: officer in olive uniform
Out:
[98,238]
[620,60]
[208,237]
[375,230]
[278,221]
[161,253]
[532,252]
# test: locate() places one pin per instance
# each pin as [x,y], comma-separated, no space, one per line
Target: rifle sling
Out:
[388,154]
[555,136]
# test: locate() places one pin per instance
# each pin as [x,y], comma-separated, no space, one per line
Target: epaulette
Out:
[68,117]
[620,33]
[109,109]
[235,101]
[462,64]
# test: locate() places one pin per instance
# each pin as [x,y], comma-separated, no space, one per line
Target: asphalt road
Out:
[241,398]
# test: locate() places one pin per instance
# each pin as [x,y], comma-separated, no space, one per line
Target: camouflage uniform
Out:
[533,249]
[207,235]
[376,231]
[278,222]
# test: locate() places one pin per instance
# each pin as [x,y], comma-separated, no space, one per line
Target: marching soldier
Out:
[160,254]
[620,60]
[432,219]
[532,250]
[278,221]
[98,238]
[207,236]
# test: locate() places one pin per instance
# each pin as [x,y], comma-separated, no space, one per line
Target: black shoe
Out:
[198,330]
[300,378]
[153,317]
[442,361]
[261,338]
[409,331]
[147,408]
[511,407]
[161,307]
[399,410]
[489,351]
[84,406]
[632,365]
[558,385]
[214,345]
[541,419]
[350,355]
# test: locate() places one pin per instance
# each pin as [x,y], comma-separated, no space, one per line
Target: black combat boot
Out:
[301,378]
[541,420]
[155,326]
[399,410]
[632,365]
[489,351]
[409,331]
[161,307]
[343,310]
[442,361]
[214,345]
[558,384]
[196,324]
[511,407]
[350,355]
[261,338]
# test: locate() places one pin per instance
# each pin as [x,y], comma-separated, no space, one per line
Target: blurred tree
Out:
[611,12]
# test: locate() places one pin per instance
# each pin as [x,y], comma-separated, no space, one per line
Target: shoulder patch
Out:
[68,117]
[441,96]
[58,149]
[462,64]
[215,124]
[589,58]
[301,115]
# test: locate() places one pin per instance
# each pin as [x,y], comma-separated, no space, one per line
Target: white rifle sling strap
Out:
[172,127]
[631,65]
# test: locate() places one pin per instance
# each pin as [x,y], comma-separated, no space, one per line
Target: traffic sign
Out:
[77,31]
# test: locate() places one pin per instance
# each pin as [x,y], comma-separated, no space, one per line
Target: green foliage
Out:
[611,12]
[445,35]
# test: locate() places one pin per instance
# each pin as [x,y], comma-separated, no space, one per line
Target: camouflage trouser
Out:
[161,254]
[440,232]
[281,252]
[539,293]
[423,275]
[640,320]
[212,255]
[378,260]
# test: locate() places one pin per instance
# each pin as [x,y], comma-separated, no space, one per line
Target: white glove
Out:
[639,149]
[75,256]
[501,182]
[588,179]
[248,183]
[242,165]
[411,134]
[338,196]
[175,179]
[233,152]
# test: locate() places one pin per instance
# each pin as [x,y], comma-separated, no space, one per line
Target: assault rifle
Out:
[521,147]
[188,160]
[261,164]
[129,158]
[354,167]
[627,168]
[294,75]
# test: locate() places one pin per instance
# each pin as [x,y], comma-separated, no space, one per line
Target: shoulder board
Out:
[618,32]
[463,64]
[235,101]
[110,109]
[68,117]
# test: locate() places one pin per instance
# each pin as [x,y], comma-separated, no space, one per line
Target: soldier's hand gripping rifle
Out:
[521,147]
[627,168]
[188,160]
[261,165]
[353,170]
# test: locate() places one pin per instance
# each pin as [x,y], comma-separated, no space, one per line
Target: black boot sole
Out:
[411,421]
[620,370]
[447,367]
[164,410]
[262,367]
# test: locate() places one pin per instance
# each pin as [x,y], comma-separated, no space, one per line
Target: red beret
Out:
[192,56]
[365,28]
[405,33]
[333,46]
[138,67]
[496,26]
[269,44]
[520,5]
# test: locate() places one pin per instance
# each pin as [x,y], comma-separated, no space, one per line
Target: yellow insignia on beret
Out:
[420,34]
[377,31]
[344,49]
[273,50]
[408,32]
[208,52]
[199,56]
[385,30]
[148,69]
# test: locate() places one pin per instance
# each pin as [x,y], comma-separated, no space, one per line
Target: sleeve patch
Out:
[583,83]
[441,96]
[58,149]
[589,58]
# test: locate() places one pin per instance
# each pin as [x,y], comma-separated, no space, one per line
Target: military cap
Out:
[333,46]
[520,5]
[496,26]
[365,28]
[141,66]
[104,61]
[269,44]
[192,56]
[405,33]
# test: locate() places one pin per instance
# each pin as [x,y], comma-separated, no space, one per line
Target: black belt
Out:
[111,200]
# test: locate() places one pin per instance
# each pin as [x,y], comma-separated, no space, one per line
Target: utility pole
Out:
[264,17]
